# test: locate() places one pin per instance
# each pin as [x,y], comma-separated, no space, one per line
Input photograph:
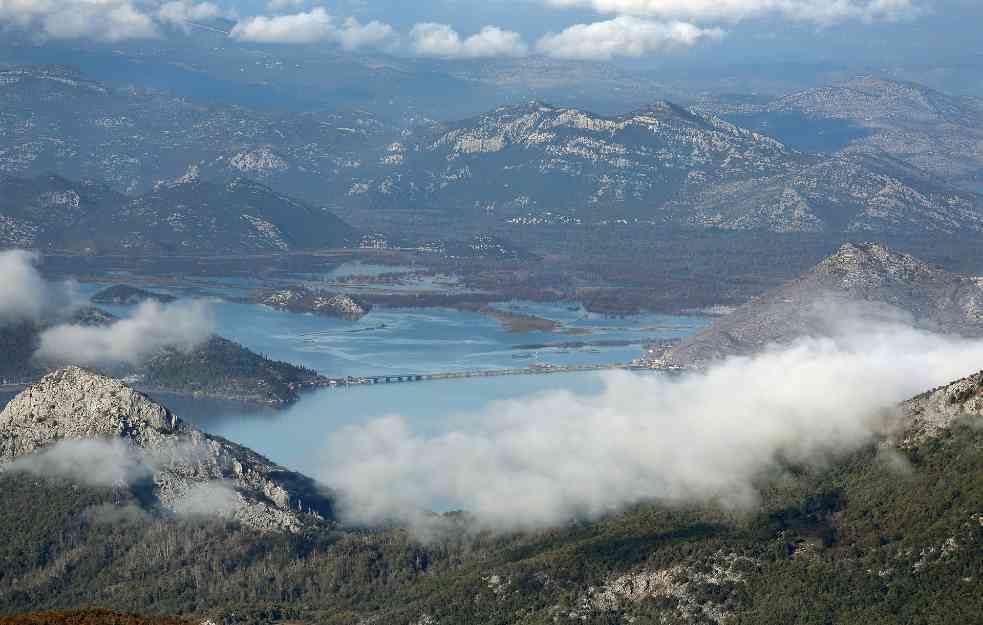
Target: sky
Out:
[628,31]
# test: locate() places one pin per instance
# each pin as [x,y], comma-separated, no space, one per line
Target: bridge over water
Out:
[489,373]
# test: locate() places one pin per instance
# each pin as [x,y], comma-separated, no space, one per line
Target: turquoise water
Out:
[401,341]
[297,437]
[433,340]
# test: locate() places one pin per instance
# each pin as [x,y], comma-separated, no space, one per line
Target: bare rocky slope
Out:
[866,279]
[933,131]
[537,157]
[664,165]
[179,468]
[933,413]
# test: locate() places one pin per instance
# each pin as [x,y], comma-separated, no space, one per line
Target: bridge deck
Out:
[484,373]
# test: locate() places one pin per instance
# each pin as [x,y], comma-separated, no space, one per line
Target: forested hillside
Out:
[892,534]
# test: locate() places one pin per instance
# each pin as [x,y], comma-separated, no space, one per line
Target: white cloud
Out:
[117,462]
[106,20]
[308,27]
[94,462]
[208,499]
[819,11]
[313,26]
[623,36]
[440,40]
[22,288]
[25,295]
[181,12]
[354,35]
[153,327]
[701,438]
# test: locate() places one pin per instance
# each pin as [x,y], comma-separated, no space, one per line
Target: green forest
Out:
[884,537]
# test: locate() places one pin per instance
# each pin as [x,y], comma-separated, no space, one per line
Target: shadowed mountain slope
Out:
[866,279]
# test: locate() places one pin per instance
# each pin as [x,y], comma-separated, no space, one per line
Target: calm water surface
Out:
[397,341]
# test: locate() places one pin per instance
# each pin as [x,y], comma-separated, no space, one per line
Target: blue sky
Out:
[639,32]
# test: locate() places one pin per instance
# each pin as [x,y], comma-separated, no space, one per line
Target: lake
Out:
[405,341]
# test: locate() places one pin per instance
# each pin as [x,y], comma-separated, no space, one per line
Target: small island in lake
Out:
[304,300]
[126,295]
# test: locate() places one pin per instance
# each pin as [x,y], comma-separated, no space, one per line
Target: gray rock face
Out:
[189,472]
[930,414]
[869,277]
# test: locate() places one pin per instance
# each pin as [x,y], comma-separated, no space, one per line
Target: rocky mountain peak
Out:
[73,403]
[855,258]
[870,276]
[667,110]
[872,264]
[177,468]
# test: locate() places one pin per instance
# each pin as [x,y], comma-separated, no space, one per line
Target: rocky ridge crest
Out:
[868,279]
[182,462]
[934,412]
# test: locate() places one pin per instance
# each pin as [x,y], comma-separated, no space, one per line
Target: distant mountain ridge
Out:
[661,164]
[856,275]
[189,215]
[540,157]
[936,132]
[54,119]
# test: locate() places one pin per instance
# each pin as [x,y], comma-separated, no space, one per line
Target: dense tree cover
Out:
[86,617]
[881,538]
[223,368]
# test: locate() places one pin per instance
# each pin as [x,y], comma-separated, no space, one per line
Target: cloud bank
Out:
[25,296]
[106,20]
[701,438]
[152,328]
[314,26]
[816,11]
[442,41]
[183,12]
[623,36]
[108,463]
[94,462]
[22,289]
[103,20]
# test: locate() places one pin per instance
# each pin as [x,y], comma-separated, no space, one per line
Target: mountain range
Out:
[936,132]
[662,165]
[539,163]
